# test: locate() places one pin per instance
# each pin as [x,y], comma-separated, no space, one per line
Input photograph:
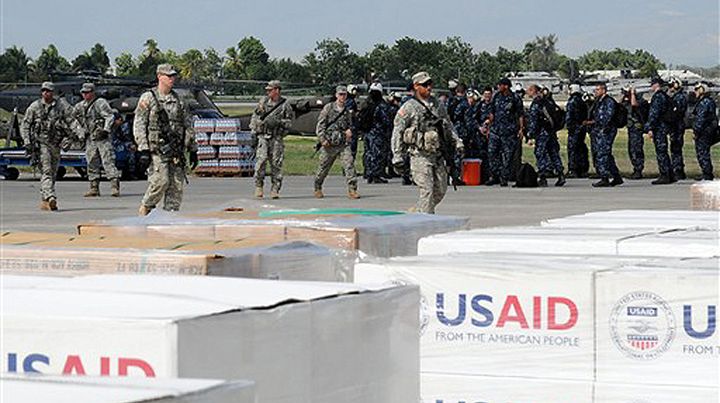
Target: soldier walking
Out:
[679,105]
[704,126]
[659,126]
[421,127]
[505,122]
[602,137]
[547,148]
[46,125]
[269,125]
[637,108]
[163,132]
[334,131]
[96,119]
[576,113]
[379,126]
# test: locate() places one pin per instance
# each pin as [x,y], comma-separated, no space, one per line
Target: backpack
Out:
[556,115]
[620,115]
[527,177]
[365,116]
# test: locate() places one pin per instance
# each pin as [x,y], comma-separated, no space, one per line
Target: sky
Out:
[678,32]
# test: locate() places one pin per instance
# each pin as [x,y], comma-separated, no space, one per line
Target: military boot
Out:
[680,175]
[115,187]
[662,180]
[275,194]
[542,182]
[617,180]
[44,205]
[94,189]
[52,203]
[560,179]
[353,194]
[259,192]
[637,174]
[319,194]
[602,183]
[144,210]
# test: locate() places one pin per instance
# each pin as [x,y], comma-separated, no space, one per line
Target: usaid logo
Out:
[642,325]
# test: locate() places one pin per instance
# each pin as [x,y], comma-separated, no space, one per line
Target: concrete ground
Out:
[487,206]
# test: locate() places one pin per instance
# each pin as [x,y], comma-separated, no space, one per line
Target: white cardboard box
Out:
[499,315]
[640,219]
[300,342]
[658,326]
[626,393]
[442,388]
[67,389]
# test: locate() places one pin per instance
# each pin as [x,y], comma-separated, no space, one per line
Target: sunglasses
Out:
[426,84]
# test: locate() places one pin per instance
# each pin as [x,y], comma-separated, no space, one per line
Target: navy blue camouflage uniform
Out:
[352,108]
[703,127]
[677,138]
[602,137]
[375,156]
[576,112]
[661,130]
[506,111]
[547,147]
[636,122]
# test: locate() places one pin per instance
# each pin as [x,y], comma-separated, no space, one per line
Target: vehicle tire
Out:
[12,173]
[60,173]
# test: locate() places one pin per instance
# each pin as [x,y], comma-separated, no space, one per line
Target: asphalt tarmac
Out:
[486,206]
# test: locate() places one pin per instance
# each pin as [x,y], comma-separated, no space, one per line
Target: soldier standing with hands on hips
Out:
[163,132]
[269,125]
[96,119]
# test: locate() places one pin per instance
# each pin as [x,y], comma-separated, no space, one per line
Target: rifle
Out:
[172,145]
[318,145]
[447,148]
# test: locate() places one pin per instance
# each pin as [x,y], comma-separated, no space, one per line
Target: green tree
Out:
[149,60]
[254,58]
[333,63]
[541,54]
[49,62]
[510,60]
[212,65]
[15,65]
[125,65]
[99,58]
[191,65]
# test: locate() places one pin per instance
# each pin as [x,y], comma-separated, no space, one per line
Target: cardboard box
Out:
[299,342]
[500,315]
[443,388]
[375,235]
[39,253]
[656,220]
[705,196]
[658,325]
[57,389]
[626,393]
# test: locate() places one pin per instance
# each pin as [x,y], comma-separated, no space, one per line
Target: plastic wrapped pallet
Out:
[658,325]
[656,220]
[57,389]
[376,233]
[443,388]
[629,393]
[299,342]
[496,315]
[705,196]
[58,254]
[580,241]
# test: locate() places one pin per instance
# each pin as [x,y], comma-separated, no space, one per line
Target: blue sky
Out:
[676,31]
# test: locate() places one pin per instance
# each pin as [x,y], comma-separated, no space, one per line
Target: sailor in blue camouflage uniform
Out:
[380,129]
[481,115]
[352,107]
[659,125]
[505,122]
[602,137]
[677,138]
[637,108]
[575,113]
[457,107]
[547,148]
[704,125]
[472,125]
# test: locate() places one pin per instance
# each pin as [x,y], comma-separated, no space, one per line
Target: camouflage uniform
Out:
[504,140]
[659,105]
[677,138]
[602,137]
[457,108]
[705,123]
[636,121]
[352,106]
[412,134]
[270,144]
[47,126]
[339,147]
[96,119]
[547,148]
[167,172]
[576,113]
[375,139]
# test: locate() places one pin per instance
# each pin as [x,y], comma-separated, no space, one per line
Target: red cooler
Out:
[471,171]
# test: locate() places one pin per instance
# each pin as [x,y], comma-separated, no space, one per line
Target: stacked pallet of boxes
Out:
[223,148]
[705,196]
[568,312]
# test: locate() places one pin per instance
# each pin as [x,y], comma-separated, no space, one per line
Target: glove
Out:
[144,159]
[193,160]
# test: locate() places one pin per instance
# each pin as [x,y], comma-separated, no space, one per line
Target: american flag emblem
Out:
[642,343]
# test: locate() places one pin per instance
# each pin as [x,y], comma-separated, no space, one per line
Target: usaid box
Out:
[299,342]
[657,220]
[658,326]
[443,388]
[627,393]
[59,389]
[502,315]
[678,243]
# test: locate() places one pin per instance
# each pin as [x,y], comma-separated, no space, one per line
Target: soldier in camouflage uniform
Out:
[679,101]
[576,113]
[637,108]
[704,125]
[334,131]
[659,126]
[269,125]
[505,122]
[47,124]
[602,137]
[380,127]
[547,148]
[96,119]
[163,132]
[414,134]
